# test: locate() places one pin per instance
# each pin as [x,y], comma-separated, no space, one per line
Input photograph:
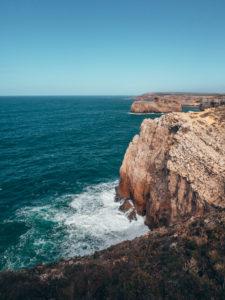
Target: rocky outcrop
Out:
[184,261]
[175,168]
[158,106]
[128,208]
[174,102]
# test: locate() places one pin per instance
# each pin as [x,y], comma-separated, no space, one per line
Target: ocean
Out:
[59,166]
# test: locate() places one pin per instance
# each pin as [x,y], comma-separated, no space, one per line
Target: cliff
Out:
[174,102]
[184,261]
[175,168]
[159,106]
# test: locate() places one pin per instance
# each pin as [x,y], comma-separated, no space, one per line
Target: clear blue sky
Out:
[111,46]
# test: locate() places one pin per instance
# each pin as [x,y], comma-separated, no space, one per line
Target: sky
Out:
[111,47]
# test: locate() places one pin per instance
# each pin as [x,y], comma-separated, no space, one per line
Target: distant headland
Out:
[175,102]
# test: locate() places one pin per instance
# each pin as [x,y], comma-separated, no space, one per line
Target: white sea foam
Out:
[96,214]
[140,114]
[73,225]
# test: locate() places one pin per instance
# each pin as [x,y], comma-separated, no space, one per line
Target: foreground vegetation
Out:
[183,261]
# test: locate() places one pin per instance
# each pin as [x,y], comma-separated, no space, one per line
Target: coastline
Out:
[177,247]
[140,114]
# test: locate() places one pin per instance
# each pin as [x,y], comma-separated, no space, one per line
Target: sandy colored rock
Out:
[175,102]
[175,168]
[155,107]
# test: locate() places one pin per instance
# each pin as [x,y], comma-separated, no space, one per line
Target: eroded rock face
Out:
[158,106]
[175,168]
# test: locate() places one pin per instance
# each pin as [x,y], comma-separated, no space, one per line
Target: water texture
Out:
[59,165]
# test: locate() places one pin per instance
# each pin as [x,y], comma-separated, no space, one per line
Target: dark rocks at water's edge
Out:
[183,261]
[175,168]
[175,102]
[128,208]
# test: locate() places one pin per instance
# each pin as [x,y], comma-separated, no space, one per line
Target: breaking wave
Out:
[71,225]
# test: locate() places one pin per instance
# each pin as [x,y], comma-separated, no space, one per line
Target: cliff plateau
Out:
[175,102]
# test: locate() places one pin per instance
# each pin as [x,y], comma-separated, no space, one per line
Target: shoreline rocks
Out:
[128,208]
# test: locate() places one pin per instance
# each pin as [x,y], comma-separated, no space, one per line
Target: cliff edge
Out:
[175,168]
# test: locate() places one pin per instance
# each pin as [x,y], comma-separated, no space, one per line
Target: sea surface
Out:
[59,166]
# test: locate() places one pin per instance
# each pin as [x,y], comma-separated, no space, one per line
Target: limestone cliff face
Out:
[175,168]
[157,106]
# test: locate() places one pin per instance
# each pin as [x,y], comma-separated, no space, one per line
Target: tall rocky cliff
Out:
[175,168]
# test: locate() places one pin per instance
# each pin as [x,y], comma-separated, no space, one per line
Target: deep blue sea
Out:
[59,165]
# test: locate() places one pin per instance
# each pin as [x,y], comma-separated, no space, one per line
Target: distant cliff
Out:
[157,106]
[175,168]
[165,103]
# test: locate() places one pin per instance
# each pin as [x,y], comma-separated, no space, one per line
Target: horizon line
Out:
[69,95]
[112,95]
